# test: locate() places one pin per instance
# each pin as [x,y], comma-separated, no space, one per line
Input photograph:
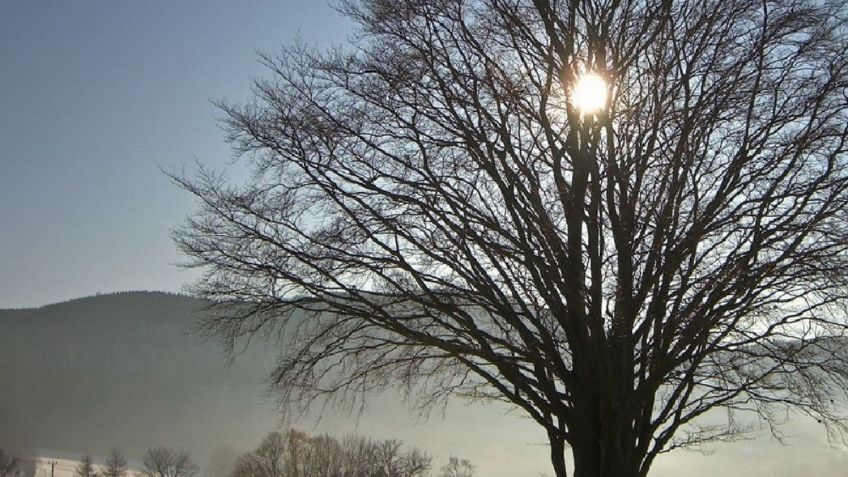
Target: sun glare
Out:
[590,93]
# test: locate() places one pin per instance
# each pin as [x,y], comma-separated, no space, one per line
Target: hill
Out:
[125,370]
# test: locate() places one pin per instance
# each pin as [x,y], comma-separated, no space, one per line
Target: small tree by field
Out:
[116,464]
[86,468]
[163,462]
[436,208]
[457,467]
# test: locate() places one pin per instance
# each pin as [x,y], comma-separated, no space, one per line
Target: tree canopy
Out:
[430,209]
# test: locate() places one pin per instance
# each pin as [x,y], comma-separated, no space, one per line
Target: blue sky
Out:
[95,97]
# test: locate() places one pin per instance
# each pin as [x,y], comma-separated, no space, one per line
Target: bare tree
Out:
[116,464]
[432,210]
[457,468]
[296,454]
[86,468]
[162,462]
[10,464]
[268,460]
[361,456]
[390,461]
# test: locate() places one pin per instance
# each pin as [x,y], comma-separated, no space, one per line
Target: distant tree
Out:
[86,468]
[392,462]
[296,454]
[327,457]
[438,208]
[10,464]
[360,455]
[268,460]
[457,468]
[162,462]
[116,464]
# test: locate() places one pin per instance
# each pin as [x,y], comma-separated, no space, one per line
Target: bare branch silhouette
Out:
[431,211]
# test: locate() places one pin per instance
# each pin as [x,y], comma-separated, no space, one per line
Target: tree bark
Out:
[558,454]
[600,444]
[592,460]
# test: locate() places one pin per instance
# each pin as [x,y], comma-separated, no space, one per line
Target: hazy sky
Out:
[95,97]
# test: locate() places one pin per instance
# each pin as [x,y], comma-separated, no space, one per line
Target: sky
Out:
[97,98]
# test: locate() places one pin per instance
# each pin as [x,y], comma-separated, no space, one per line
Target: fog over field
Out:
[125,370]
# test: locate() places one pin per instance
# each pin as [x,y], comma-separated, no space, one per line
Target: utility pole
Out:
[52,466]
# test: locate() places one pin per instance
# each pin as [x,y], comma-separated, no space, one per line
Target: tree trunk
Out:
[558,454]
[602,442]
[593,461]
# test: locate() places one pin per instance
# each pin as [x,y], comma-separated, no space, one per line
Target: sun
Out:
[590,93]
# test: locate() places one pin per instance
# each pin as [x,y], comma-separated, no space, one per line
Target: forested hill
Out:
[125,370]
